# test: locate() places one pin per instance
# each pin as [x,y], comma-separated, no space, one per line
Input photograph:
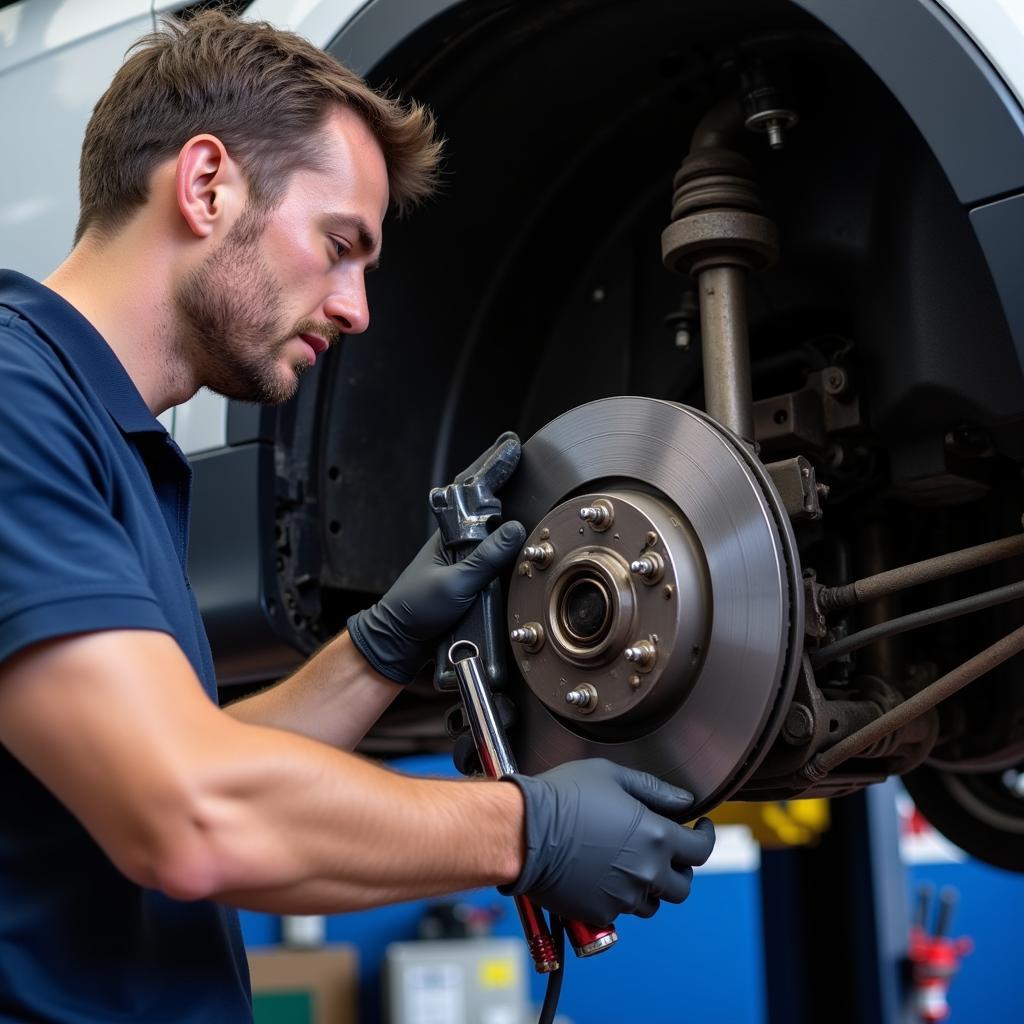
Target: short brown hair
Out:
[262,91]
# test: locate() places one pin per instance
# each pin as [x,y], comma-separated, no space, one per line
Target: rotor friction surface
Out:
[707,740]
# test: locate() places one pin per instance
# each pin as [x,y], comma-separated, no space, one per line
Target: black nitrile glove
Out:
[398,634]
[600,841]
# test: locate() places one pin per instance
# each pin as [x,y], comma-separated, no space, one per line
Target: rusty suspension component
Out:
[718,233]
[893,580]
[916,706]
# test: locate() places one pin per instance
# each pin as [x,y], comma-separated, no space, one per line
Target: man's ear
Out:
[208,184]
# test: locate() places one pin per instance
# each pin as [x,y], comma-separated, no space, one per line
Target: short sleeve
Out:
[67,565]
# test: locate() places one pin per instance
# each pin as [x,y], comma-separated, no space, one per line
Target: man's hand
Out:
[600,841]
[397,635]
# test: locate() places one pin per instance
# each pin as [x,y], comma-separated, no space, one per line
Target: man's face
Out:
[285,284]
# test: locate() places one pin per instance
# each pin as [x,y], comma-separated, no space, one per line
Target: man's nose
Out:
[349,308]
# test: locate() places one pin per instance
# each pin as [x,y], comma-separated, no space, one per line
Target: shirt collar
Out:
[71,334]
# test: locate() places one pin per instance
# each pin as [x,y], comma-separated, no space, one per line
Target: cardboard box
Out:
[316,986]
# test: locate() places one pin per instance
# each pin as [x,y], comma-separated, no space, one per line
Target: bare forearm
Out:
[314,830]
[185,798]
[412,871]
[334,697]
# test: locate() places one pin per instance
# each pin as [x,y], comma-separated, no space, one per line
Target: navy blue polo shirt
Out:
[94,506]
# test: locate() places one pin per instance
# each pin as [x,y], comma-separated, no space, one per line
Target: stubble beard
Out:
[230,329]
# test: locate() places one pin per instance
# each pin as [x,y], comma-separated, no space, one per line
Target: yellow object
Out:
[777,825]
[497,973]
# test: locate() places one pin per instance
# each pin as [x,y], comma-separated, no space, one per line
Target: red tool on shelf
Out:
[935,957]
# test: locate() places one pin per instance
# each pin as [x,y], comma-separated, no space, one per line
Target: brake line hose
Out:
[927,617]
[554,986]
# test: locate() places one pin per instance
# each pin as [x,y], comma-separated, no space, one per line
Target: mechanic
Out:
[234,181]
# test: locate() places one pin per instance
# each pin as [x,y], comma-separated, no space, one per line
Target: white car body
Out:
[58,56]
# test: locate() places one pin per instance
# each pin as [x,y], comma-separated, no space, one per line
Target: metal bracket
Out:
[827,404]
[800,492]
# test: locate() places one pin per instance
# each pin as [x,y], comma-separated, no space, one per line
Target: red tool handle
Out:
[538,937]
[588,939]
[497,761]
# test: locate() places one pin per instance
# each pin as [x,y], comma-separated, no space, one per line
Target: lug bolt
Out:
[642,654]
[649,566]
[531,636]
[600,515]
[582,697]
[540,554]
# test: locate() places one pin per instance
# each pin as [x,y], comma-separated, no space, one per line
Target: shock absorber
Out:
[718,233]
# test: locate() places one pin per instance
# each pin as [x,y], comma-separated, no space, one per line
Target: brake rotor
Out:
[657,606]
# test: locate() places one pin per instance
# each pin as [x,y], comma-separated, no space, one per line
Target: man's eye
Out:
[340,248]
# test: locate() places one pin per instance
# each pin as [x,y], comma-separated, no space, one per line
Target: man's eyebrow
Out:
[367,240]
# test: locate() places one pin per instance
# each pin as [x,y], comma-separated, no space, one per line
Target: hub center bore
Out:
[587,605]
[584,610]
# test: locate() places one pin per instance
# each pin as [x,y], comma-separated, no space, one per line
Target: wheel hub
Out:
[619,605]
